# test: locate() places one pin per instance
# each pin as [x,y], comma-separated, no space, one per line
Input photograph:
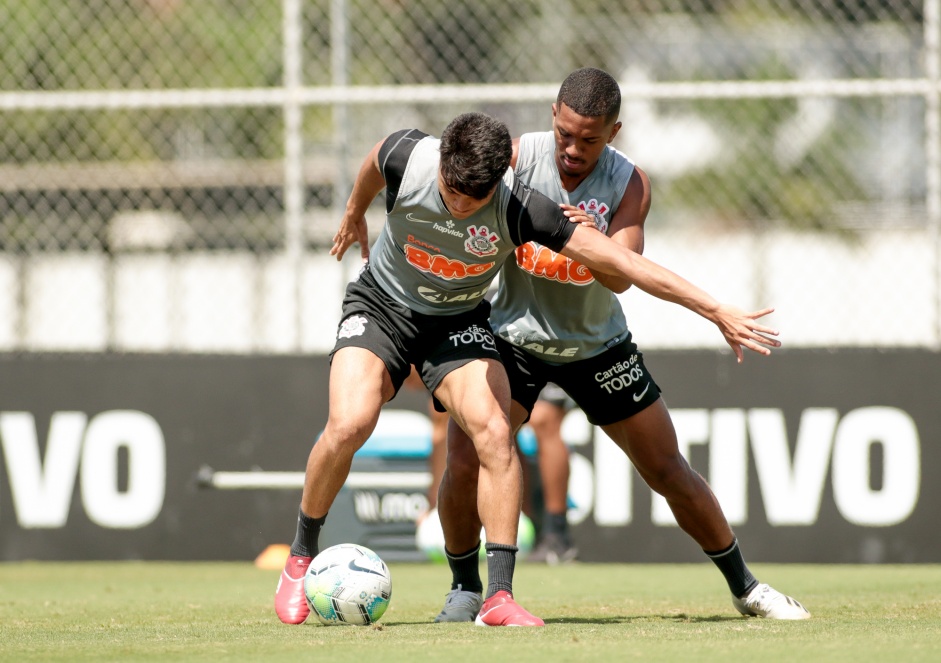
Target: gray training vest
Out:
[429,261]
[548,304]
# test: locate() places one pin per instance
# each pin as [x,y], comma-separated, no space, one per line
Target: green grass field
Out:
[136,611]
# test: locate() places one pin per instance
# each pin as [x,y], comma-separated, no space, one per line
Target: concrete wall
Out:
[876,289]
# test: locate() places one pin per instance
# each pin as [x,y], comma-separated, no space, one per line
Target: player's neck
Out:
[572,182]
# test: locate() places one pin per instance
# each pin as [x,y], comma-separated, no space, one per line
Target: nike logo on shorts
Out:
[638,397]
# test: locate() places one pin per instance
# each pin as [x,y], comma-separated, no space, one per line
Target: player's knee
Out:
[347,434]
[494,444]
[672,477]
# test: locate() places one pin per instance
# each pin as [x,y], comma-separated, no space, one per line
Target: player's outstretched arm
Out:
[369,182]
[740,329]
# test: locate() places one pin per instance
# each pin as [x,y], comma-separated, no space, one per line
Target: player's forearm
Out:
[630,235]
[615,284]
[604,256]
[369,182]
[669,286]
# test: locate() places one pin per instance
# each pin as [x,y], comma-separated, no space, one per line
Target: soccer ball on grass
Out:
[348,584]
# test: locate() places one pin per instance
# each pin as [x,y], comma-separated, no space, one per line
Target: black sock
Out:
[556,523]
[465,570]
[501,563]
[307,540]
[733,567]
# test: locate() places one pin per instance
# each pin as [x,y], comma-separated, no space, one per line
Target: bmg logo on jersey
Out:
[474,335]
[621,375]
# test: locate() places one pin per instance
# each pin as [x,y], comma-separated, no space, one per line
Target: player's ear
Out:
[614,131]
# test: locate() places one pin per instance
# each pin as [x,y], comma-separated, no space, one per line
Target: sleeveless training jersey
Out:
[435,264]
[547,304]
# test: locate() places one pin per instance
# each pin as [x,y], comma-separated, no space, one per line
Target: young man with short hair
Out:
[455,213]
[557,321]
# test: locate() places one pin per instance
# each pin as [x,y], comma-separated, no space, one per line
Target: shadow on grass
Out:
[612,619]
[630,619]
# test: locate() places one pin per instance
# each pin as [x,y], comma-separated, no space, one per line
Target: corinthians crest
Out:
[597,211]
[354,325]
[481,242]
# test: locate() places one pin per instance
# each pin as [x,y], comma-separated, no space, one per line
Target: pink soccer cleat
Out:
[290,601]
[501,610]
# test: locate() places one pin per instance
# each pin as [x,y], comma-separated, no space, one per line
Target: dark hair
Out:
[475,154]
[591,93]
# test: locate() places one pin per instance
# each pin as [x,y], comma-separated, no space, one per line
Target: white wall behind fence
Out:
[231,302]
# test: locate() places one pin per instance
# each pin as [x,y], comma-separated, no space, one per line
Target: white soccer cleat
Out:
[766,601]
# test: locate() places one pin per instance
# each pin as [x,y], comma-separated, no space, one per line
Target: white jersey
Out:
[548,304]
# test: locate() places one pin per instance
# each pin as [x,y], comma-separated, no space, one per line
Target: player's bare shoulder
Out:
[638,190]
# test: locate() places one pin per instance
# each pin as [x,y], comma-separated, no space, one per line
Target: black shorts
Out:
[555,395]
[401,337]
[609,387]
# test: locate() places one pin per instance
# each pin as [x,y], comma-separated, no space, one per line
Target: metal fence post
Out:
[293,158]
[933,147]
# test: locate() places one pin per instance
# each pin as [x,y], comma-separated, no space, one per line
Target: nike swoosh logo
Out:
[483,615]
[410,217]
[356,567]
[289,580]
[637,397]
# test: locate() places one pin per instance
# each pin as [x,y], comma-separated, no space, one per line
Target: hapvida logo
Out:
[447,228]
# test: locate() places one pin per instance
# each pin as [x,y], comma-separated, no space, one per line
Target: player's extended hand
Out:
[742,330]
[353,229]
[578,215]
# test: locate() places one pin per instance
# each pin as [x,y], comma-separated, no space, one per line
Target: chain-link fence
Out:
[171,170]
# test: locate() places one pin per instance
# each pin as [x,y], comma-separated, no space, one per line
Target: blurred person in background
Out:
[554,545]
[557,321]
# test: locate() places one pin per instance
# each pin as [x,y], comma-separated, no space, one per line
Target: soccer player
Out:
[554,545]
[455,213]
[556,321]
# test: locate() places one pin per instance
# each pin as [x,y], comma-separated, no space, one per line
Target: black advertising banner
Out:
[815,456]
